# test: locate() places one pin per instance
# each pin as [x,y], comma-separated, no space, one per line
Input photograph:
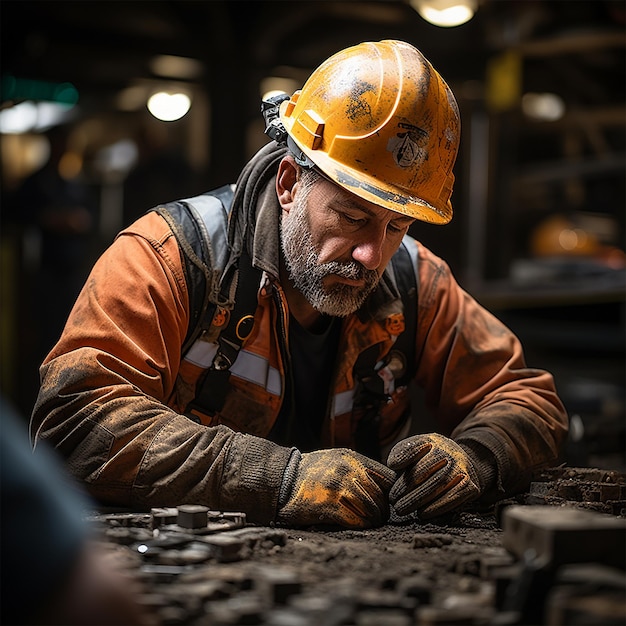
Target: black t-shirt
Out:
[311,366]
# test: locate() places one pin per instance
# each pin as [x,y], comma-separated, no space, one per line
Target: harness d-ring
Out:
[244,327]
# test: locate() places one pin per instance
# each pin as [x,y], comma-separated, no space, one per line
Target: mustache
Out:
[351,270]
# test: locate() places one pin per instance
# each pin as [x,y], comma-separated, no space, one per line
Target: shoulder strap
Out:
[370,394]
[200,226]
[404,263]
[215,284]
[212,388]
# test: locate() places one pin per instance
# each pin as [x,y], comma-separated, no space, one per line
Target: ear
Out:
[287,181]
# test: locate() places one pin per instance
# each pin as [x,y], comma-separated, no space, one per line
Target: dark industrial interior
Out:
[522,183]
[539,228]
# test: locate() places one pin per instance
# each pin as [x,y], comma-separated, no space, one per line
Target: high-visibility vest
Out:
[200,225]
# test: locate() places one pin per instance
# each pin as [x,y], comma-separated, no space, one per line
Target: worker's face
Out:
[336,245]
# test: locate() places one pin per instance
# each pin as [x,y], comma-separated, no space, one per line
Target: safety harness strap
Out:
[211,390]
[404,262]
[200,225]
[370,394]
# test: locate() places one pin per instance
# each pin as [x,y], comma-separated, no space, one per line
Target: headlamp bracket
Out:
[275,129]
[270,108]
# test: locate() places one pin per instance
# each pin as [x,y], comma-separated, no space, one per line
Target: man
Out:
[307,421]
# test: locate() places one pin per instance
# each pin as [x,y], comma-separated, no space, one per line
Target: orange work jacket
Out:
[115,387]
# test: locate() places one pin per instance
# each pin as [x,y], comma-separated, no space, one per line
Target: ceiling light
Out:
[169,107]
[446,13]
[547,107]
[33,116]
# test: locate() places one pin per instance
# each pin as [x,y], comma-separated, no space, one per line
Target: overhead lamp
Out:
[169,107]
[446,13]
[31,116]
[545,107]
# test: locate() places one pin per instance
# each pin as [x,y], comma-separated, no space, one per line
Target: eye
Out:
[397,228]
[356,221]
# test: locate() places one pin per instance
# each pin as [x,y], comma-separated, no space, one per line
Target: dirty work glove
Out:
[336,486]
[435,476]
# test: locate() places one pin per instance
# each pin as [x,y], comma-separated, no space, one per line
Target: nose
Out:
[369,251]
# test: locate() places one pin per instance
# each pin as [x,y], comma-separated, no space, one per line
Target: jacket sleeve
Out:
[105,385]
[477,384]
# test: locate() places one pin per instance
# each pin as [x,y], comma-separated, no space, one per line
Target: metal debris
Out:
[199,566]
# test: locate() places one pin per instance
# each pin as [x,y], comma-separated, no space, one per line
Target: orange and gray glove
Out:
[337,487]
[435,476]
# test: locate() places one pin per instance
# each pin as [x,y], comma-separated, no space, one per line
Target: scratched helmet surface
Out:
[380,121]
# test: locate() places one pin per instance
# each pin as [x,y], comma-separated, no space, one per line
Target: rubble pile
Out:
[557,557]
[595,489]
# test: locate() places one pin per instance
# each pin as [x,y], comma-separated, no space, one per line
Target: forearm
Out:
[520,420]
[518,439]
[478,386]
[131,450]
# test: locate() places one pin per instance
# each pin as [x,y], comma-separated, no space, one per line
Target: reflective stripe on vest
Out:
[212,214]
[248,366]
[201,353]
[255,369]
[342,402]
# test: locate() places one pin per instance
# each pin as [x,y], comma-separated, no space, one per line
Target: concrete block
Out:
[562,535]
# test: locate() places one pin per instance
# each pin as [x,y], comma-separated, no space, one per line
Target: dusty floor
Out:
[382,557]
[455,571]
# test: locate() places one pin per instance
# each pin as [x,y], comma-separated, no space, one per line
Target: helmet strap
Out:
[301,159]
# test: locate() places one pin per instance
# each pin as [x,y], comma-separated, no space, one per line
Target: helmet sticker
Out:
[408,148]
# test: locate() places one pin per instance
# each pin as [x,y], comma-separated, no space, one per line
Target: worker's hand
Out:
[436,475]
[338,487]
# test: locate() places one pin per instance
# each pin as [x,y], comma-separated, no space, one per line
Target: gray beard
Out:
[307,275]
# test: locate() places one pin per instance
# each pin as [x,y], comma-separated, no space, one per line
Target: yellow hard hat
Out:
[380,121]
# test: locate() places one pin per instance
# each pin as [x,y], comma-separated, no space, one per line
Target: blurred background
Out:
[108,108]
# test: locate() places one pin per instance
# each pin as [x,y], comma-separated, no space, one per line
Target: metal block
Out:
[244,608]
[288,617]
[162,516]
[561,535]
[226,549]
[502,578]
[378,600]
[610,491]
[276,584]
[192,516]
[329,610]
[490,563]
[237,518]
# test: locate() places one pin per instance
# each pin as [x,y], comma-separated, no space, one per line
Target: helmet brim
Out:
[377,191]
